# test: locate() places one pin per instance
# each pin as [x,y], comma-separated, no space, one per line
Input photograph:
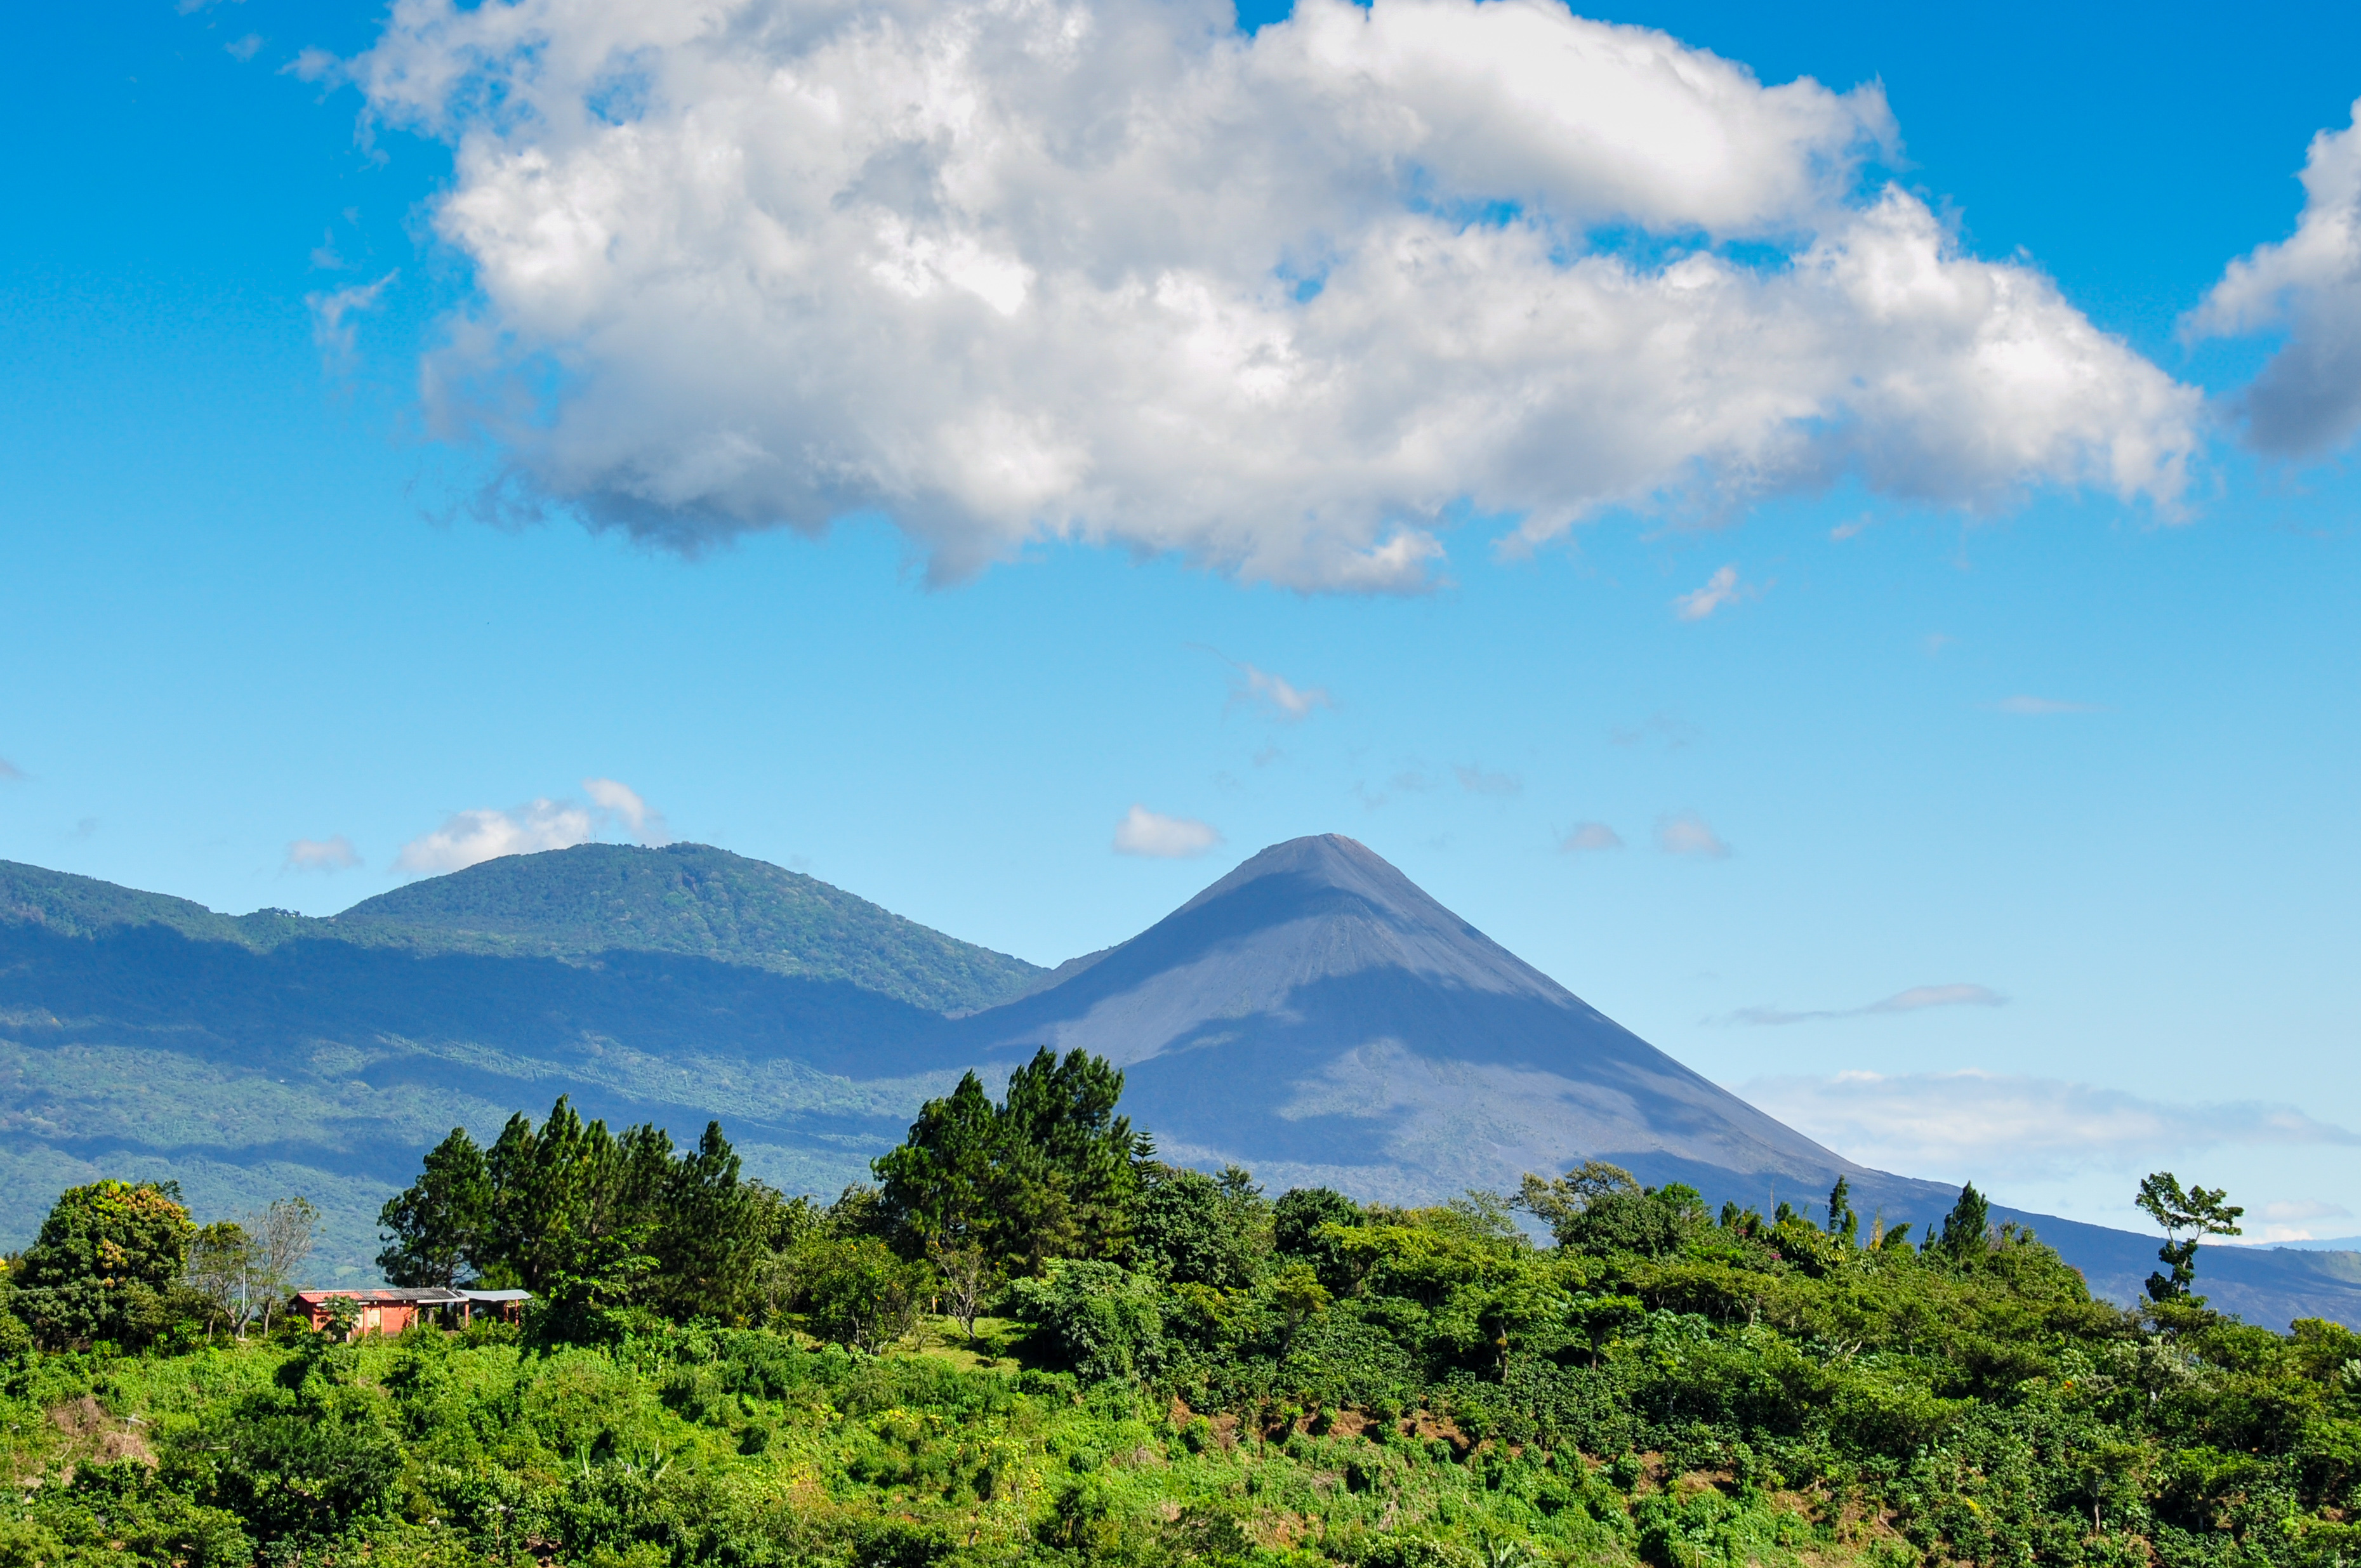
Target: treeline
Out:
[1030,1342]
[123,1263]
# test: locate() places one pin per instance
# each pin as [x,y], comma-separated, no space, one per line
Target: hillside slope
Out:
[693,899]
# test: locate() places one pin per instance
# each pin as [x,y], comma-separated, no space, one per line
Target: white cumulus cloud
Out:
[1150,833]
[1110,270]
[622,804]
[2308,397]
[471,837]
[2021,1128]
[331,854]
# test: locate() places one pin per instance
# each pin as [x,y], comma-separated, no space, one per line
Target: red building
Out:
[392,1309]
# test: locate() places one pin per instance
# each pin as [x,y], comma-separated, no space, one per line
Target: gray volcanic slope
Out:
[1318,1018]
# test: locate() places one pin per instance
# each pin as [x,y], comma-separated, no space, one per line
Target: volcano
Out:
[1316,1017]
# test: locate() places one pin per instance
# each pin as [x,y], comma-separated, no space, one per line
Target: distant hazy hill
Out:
[695,899]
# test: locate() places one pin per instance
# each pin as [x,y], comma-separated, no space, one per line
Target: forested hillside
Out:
[1030,1342]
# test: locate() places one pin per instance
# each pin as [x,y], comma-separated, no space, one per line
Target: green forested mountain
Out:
[254,1056]
[576,903]
[695,899]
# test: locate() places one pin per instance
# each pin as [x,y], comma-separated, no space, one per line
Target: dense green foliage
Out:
[695,899]
[1050,1172]
[1203,1375]
[106,1256]
[588,1219]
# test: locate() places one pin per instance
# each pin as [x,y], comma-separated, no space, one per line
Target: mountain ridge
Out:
[576,903]
[1312,1014]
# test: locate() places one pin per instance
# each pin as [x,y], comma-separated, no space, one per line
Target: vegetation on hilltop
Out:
[576,903]
[1195,1373]
[695,899]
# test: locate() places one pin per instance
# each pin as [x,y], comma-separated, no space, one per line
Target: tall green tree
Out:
[2187,1219]
[942,1185]
[434,1229]
[708,1242]
[1052,1171]
[1065,1108]
[1967,1228]
[100,1268]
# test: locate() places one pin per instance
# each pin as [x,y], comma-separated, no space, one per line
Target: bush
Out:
[1098,1320]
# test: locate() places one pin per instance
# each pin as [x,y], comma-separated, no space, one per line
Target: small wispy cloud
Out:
[1917,999]
[1685,833]
[1274,693]
[2019,1128]
[2041,707]
[244,49]
[1583,836]
[1721,590]
[1851,530]
[333,332]
[1159,836]
[620,803]
[9,771]
[1674,732]
[1476,781]
[331,854]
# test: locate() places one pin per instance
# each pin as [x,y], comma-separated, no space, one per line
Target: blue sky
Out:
[1993,819]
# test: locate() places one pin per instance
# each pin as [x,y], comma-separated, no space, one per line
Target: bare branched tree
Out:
[220,1269]
[281,1236]
[968,1281]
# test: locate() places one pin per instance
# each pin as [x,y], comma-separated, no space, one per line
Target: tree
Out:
[1049,1172]
[2187,1218]
[572,1208]
[1065,1110]
[940,1184]
[967,1278]
[1560,1203]
[1842,1221]
[1299,1222]
[1190,1229]
[105,1257]
[281,1243]
[861,1294]
[1298,1294]
[1967,1228]
[706,1243]
[435,1226]
[220,1269]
